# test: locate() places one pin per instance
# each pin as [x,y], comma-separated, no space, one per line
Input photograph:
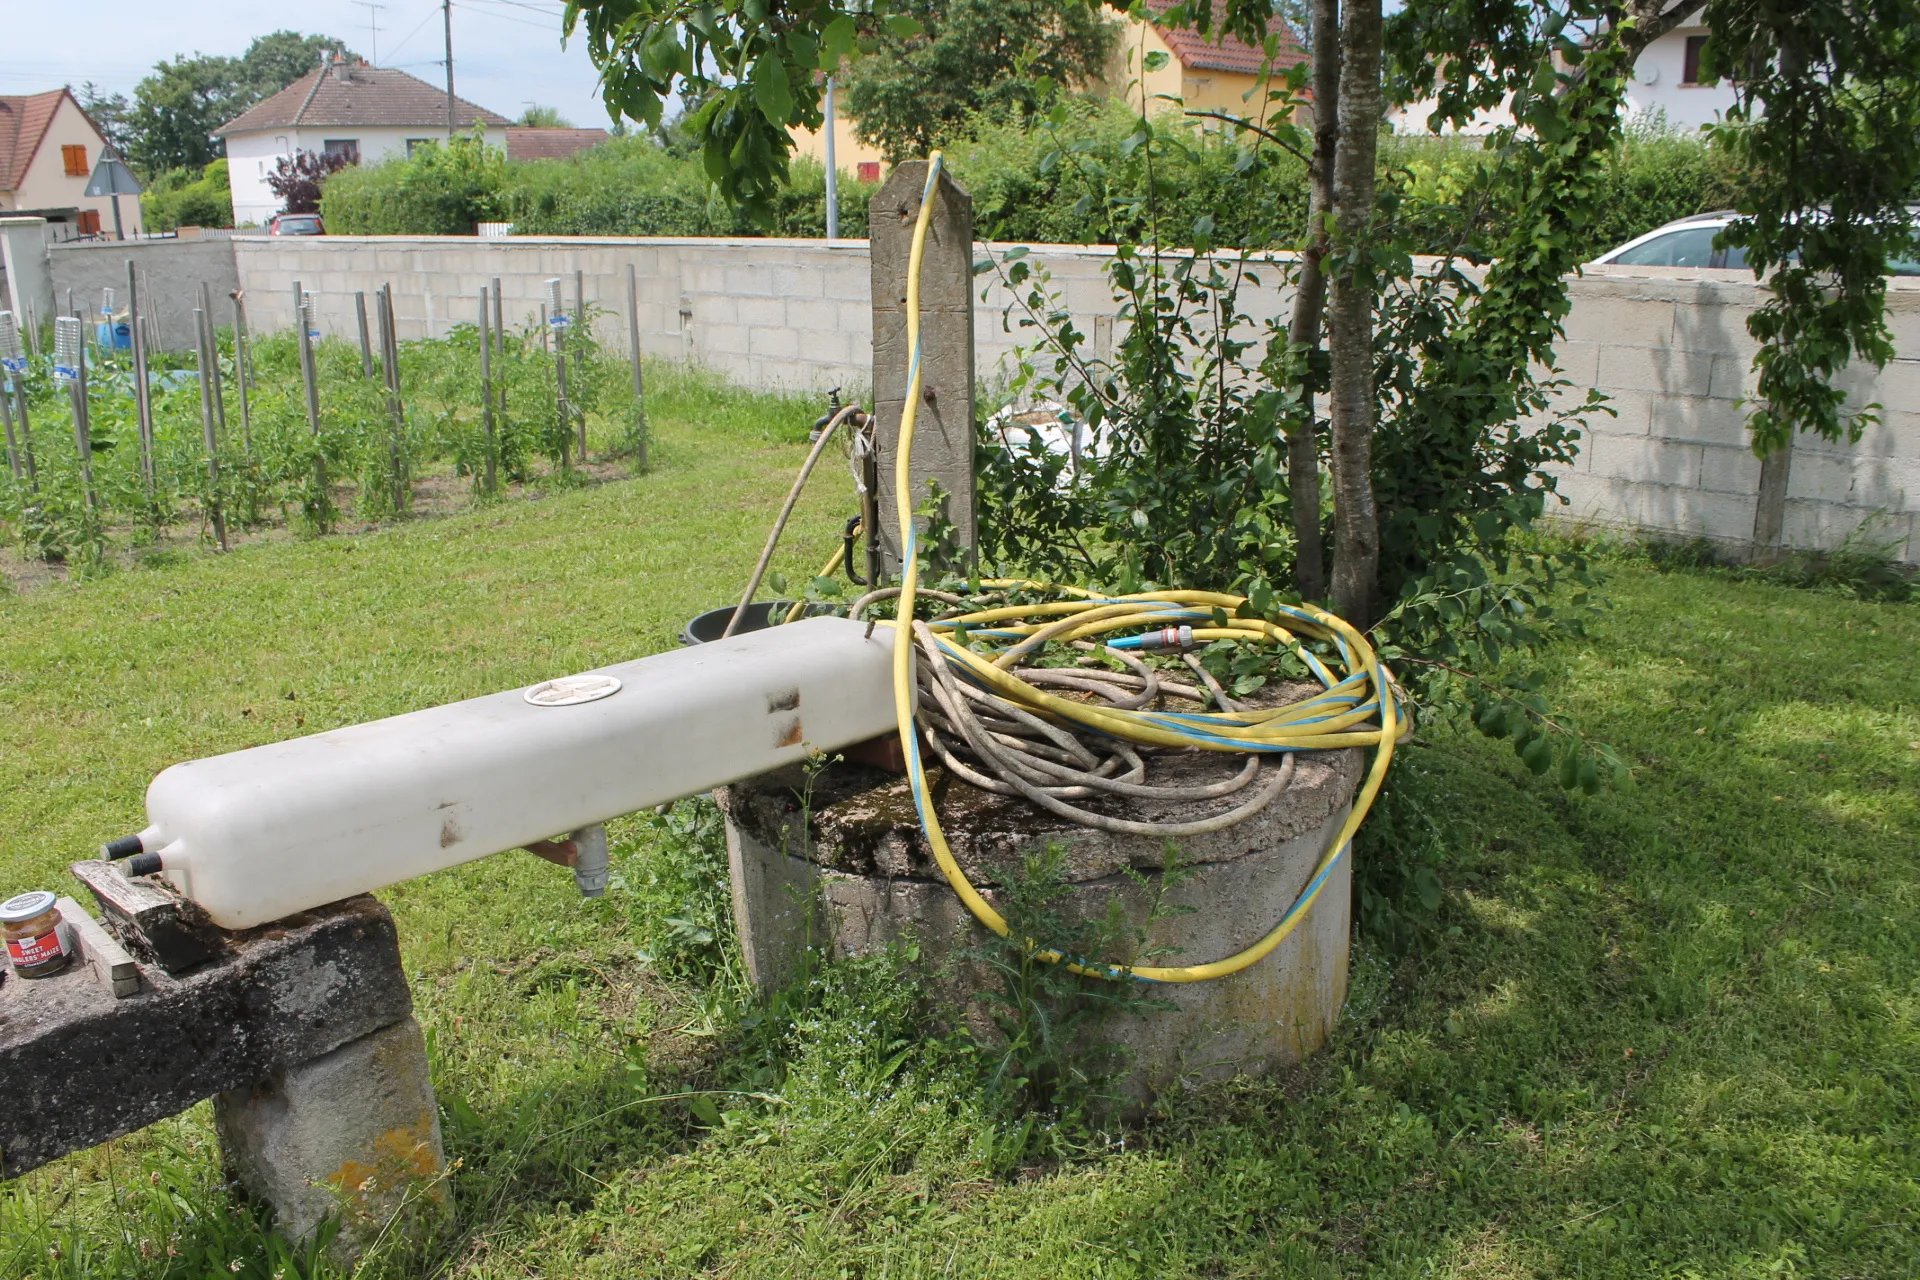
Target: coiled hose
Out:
[1008,721]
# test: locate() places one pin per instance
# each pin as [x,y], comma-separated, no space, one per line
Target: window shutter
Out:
[74,157]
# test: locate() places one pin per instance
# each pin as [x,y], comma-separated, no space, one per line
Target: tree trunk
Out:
[1309,305]
[1356,527]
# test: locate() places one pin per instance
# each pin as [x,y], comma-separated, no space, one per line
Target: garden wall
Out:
[170,276]
[1669,346]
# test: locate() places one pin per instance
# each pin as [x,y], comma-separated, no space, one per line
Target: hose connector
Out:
[1180,638]
[591,867]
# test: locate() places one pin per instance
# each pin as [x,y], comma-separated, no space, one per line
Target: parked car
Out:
[296,224]
[1688,242]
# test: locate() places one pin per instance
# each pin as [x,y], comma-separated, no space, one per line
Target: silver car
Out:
[1688,242]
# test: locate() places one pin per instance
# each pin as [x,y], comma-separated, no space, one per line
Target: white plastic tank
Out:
[263,833]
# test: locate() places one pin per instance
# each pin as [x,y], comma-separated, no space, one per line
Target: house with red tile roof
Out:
[367,114]
[48,150]
[1208,73]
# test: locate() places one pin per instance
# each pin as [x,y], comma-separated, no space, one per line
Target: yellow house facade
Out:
[1207,73]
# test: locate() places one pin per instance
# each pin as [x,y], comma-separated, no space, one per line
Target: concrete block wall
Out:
[1667,346]
[170,275]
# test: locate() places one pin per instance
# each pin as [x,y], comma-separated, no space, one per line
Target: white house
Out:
[48,149]
[367,114]
[1666,82]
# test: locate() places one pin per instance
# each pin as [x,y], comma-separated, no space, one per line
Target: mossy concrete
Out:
[838,861]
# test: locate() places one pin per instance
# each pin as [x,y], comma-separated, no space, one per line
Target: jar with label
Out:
[39,942]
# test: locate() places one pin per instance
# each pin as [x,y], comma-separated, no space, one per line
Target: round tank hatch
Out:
[569,691]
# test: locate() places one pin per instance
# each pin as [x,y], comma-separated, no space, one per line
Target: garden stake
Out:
[396,410]
[639,386]
[366,349]
[213,349]
[241,374]
[142,393]
[13,448]
[82,425]
[580,318]
[17,381]
[486,389]
[303,321]
[203,359]
[500,345]
[557,326]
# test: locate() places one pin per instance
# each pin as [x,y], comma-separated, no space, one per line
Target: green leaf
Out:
[1154,61]
[1537,755]
[903,26]
[771,92]
[704,1109]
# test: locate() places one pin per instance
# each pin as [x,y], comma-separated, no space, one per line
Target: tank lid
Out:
[570,691]
[26,906]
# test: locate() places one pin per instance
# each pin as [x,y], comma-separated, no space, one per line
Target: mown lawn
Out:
[1665,1031]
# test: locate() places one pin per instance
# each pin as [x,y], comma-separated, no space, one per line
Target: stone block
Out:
[1579,361]
[806,281]
[1729,469]
[352,1135]
[722,339]
[776,341]
[749,280]
[82,1067]
[1619,321]
[767,312]
[1666,370]
[1731,378]
[1714,329]
[1700,419]
[1643,458]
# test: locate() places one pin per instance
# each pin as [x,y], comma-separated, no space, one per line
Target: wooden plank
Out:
[112,967]
[151,920]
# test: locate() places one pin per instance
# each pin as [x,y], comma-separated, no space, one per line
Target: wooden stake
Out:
[242,374]
[500,348]
[366,350]
[13,447]
[577,329]
[301,322]
[82,428]
[486,392]
[203,359]
[213,346]
[396,409]
[142,393]
[639,385]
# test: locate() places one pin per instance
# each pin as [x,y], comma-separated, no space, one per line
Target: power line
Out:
[504,17]
[431,13]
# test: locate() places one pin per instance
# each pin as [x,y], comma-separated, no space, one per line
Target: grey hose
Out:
[1019,753]
[780,525]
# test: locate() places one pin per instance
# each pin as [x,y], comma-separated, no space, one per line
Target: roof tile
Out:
[1214,52]
[347,95]
[23,123]
[524,143]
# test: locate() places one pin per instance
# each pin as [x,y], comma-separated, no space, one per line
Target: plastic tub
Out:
[761,614]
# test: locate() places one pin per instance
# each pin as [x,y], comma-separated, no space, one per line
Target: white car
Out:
[1688,242]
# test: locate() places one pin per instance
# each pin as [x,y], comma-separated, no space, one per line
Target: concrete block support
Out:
[353,1134]
[943,435]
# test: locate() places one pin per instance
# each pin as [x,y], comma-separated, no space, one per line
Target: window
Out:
[414,144]
[1690,61]
[347,149]
[868,171]
[1687,247]
[75,159]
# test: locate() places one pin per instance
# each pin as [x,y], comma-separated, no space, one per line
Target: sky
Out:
[506,53]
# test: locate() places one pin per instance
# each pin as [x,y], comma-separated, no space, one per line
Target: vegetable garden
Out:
[543,406]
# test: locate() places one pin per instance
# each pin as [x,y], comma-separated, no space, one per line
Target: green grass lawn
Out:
[1664,1031]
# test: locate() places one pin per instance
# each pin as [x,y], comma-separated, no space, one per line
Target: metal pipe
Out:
[202,359]
[639,383]
[579,332]
[142,392]
[242,372]
[366,350]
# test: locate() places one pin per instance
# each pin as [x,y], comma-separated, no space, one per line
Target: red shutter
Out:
[89,220]
[869,171]
[75,158]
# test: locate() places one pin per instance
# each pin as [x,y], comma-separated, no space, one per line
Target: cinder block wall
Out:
[1669,347]
[170,275]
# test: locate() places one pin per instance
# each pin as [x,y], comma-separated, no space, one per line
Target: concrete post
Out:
[353,1134]
[943,436]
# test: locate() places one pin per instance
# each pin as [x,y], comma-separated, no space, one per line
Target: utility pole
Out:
[446,14]
[833,174]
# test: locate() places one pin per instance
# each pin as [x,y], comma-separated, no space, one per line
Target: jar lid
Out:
[26,907]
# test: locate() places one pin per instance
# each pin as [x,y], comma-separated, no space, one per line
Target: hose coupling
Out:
[1180,638]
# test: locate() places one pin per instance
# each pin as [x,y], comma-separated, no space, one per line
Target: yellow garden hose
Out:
[1357,708]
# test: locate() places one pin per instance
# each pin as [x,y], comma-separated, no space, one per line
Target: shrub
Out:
[437,191]
[182,198]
